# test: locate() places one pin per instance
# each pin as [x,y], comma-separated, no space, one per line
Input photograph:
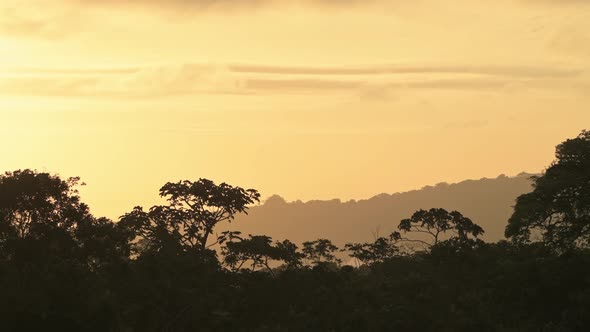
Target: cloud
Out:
[14,25]
[194,79]
[61,18]
[324,85]
[224,3]
[70,71]
[510,71]
[145,82]
[39,20]
[380,70]
[300,84]
[456,84]
[558,3]
[37,86]
[188,6]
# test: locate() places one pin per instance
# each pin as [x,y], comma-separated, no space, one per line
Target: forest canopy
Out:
[177,267]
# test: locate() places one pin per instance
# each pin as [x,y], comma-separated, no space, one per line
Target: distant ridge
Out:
[487,202]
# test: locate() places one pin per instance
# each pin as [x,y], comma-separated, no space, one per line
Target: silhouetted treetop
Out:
[42,217]
[30,201]
[558,209]
[209,199]
[320,252]
[436,223]
[193,211]
[379,251]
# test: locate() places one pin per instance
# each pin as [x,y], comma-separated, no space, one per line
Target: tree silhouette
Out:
[159,230]
[257,249]
[320,251]
[559,206]
[259,252]
[379,251]
[30,202]
[193,211]
[289,254]
[42,214]
[436,223]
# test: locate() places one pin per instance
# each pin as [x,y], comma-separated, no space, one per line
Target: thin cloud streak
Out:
[92,87]
[70,71]
[513,71]
[257,3]
[300,84]
[199,79]
[205,4]
[508,71]
[460,84]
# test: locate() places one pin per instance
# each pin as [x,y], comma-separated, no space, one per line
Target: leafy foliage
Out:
[63,269]
[381,250]
[187,222]
[436,223]
[559,206]
[321,252]
[41,217]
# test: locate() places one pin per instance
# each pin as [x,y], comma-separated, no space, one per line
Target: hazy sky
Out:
[308,99]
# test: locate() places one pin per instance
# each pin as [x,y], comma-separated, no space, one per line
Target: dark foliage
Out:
[435,224]
[62,269]
[558,209]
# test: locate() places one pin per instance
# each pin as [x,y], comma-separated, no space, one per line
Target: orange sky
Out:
[309,99]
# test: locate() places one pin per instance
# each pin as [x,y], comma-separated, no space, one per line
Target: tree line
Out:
[173,267]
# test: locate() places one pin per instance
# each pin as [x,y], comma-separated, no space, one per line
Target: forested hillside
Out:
[489,202]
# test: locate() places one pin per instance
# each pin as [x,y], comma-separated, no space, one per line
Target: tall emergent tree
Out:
[193,211]
[558,208]
[436,225]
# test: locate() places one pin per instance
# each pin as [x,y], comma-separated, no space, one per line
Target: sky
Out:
[309,99]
